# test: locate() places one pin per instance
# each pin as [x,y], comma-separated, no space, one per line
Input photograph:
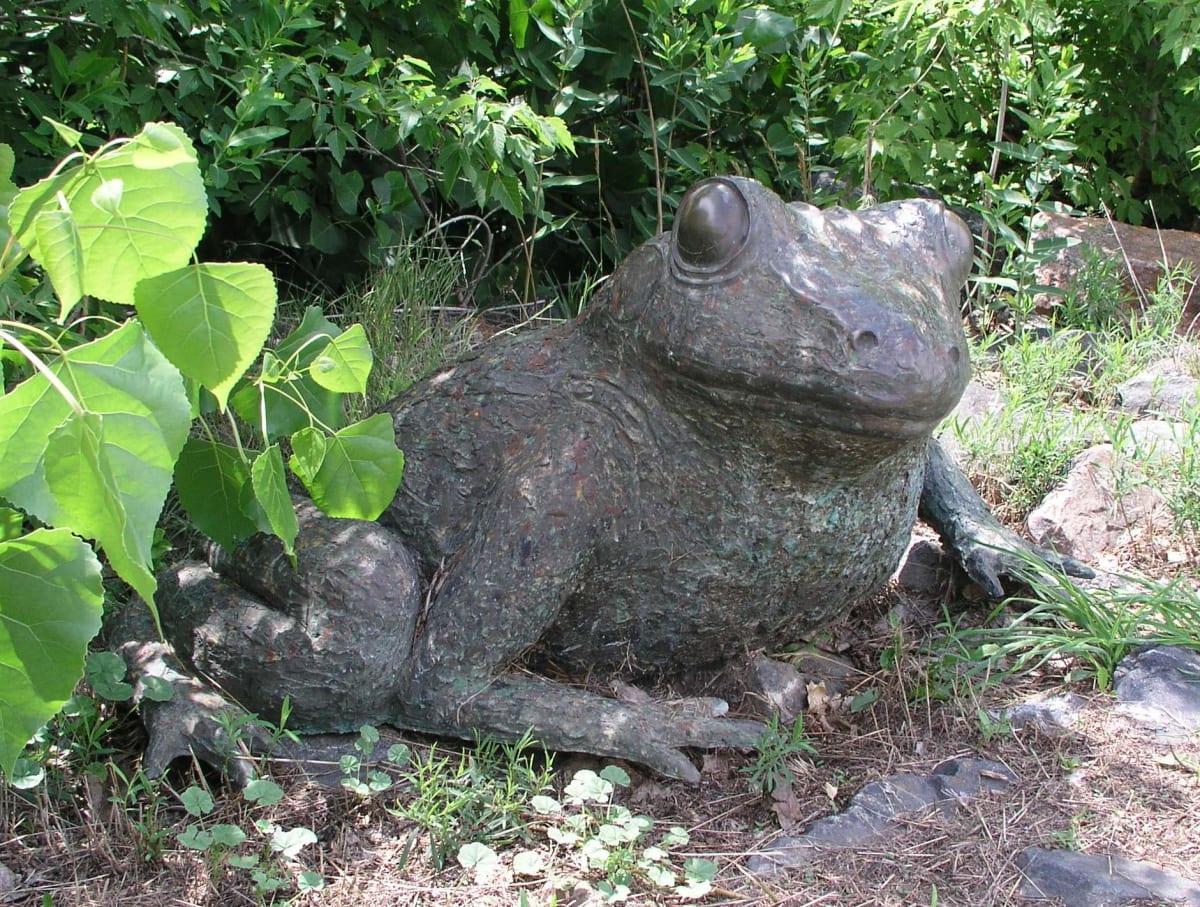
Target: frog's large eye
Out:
[712,225]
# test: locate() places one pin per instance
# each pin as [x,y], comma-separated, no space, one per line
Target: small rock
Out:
[924,567]
[872,811]
[781,685]
[1167,395]
[1051,715]
[9,882]
[1097,880]
[1159,687]
[1084,516]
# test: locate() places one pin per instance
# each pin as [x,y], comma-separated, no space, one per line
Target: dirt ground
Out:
[1104,787]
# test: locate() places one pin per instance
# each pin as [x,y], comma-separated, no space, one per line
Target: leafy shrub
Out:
[93,432]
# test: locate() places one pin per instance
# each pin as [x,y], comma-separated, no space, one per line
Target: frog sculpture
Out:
[726,451]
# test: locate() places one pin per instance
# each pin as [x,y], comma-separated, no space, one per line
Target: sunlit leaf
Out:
[145,419]
[50,606]
[360,471]
[269,482]
[345,363]
[211,320]
[152,228]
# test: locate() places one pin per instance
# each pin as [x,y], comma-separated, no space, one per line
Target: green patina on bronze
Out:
[726,451]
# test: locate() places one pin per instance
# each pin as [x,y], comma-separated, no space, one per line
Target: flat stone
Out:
[925,567]
[1141,250]
[9,882]
[1167,395]
[872,812]
[1098,880]
[1050,715]
[1084,516]
[1158,687]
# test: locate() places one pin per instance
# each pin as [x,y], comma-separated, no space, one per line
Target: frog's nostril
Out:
[864,340]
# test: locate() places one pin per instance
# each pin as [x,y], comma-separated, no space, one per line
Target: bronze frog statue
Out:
[726,451]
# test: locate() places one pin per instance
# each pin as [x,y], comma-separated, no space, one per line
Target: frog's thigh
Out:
[501,593]
[333,635]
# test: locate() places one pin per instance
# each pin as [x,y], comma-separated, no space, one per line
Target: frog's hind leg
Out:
[332,632]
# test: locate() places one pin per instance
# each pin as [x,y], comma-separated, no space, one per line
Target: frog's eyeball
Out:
[712,225]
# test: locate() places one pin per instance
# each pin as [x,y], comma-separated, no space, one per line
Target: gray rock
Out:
[784,688]
[1167,395]
[1159,687]
[925,566]
[9,882]
[1051,715]
[1085,516]
[873,810]
[1097,880]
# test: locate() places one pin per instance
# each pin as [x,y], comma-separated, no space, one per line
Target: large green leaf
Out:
[50,604]
[288,404]
[345,363]
[360,471]
[210,478]
[62,256]
[211,320]
[131,450]
[270,490]
[139,210]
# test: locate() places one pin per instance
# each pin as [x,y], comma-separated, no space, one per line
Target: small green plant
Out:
[1069,838]
[351,765]
[775,750]
[1081,633]
[267,852]
[992,727]
[477,797]
[610,842]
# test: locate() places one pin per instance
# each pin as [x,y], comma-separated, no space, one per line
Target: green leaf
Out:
[132,449]
[197,801]
[308,453]
[195,837]
[269,482]
[62,256]
[360,471]
[209,478]
[68,134]
[286,415]
[259,135]
[477,856]
[12,524]
[263,791]
[345,363]
[50,605]
[228,835]
[518,21]
[157,690]
[292,841]
[82,465]
[309,881]
[105,673]
[153,229]
[211,320]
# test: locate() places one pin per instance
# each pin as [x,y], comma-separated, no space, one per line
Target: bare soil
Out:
[1104,787]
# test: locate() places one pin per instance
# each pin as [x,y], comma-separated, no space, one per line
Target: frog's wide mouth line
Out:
[820,406]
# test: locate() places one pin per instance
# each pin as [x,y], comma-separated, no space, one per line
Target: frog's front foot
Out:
[992,552]
[987,551]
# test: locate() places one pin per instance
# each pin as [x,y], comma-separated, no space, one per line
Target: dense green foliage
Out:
[577,123]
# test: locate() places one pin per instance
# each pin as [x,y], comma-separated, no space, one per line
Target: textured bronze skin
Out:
[724,452]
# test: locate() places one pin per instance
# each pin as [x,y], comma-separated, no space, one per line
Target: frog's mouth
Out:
[859,401]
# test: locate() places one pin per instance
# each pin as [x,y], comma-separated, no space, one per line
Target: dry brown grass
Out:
[1103,788]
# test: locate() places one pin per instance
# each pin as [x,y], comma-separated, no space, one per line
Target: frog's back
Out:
[473,424]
